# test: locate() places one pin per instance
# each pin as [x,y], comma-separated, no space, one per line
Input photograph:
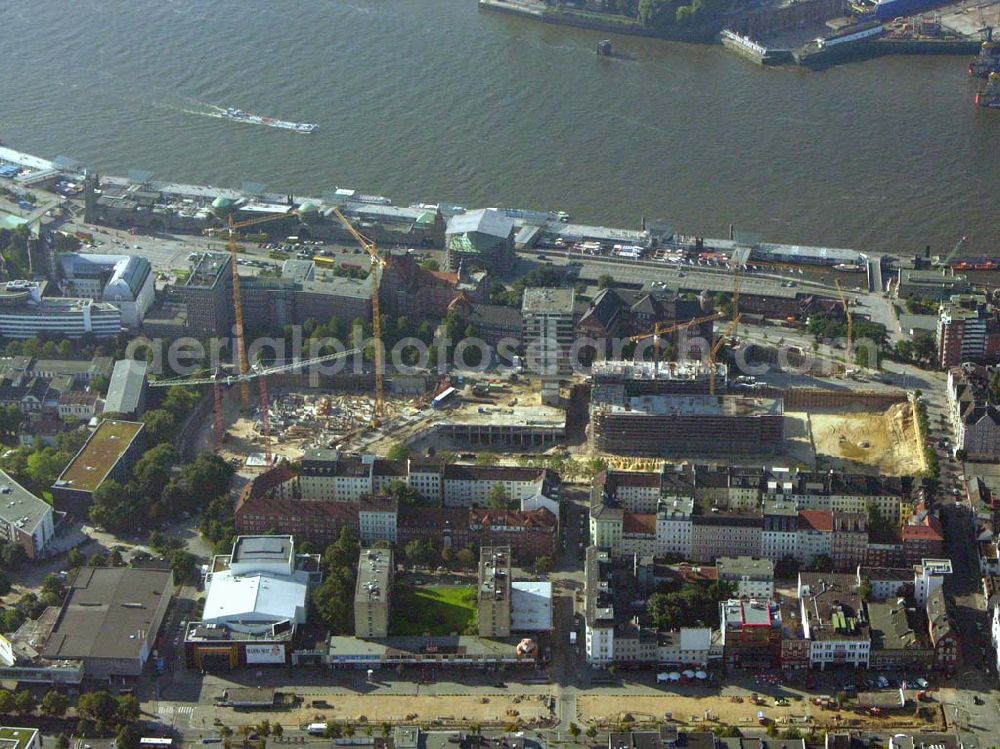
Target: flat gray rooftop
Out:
[548,301]
[19,507]
[108,613]
[262,549]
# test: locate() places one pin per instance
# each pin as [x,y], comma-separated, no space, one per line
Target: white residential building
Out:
[833,620]
[928,577]
[25,520]
[754,578]
[780,536]
[377,520]
[814,536]
[673,527]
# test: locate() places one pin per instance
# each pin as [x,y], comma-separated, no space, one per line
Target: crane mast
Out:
[377,264]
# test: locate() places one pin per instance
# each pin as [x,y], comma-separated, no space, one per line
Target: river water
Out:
[434,100]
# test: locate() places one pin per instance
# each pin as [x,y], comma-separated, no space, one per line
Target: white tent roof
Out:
[258,597]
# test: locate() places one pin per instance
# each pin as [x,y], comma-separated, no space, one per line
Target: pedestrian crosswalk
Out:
[174,709]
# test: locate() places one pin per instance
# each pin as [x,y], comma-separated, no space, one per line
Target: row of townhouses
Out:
[880,618]
[765,514]
[329,476]
[283,501]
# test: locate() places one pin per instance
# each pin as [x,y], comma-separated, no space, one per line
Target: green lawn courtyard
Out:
[435,610]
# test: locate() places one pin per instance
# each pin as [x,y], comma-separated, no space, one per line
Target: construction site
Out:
[885,440]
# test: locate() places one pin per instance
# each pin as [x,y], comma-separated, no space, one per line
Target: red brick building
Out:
[921,540]
[530,534]
[408,289]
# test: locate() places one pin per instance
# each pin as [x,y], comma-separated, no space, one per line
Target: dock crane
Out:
[661,329]
[219,379]
[954,250]
[850,324]
[378,264]
[232,245]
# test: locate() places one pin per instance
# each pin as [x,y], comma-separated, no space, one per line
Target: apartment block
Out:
[373,593]
[494,592]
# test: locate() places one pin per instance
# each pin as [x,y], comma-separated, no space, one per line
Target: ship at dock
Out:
[231,113]
[989,96]
[987,62]
[976,263]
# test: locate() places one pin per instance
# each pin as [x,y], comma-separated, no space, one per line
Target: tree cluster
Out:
[546,275]
[162,422]
[333,600]
[665,15]
[694,604]
[46,346]
[155,493]
[30,605]
[38,467]
[922,349]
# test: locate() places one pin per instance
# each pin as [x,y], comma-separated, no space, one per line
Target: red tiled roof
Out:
[346,512]
[817,520]
[540,519]
[636,478]
[931,530]
[636,522]
[261,485]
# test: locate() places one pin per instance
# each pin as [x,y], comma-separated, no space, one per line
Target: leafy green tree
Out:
[45,466]
[10,619]
[180,401]
[543,565]
[420,551]
[12,556]
[54,704]
[692,605]
[823,563]
[343,552]
[128,736]
[97,706]
[399,451]
[574,731]
[111,508]
[333,601]
[208,475]
[591,731]
[498,498]
[466,558]
[75,558]
[6,701]
[160,424]
[403,493]
[24,702]
[184,565]
[62,741]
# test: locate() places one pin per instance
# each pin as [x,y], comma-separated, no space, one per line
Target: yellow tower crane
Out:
[661,329]
[232,238]
[378,264]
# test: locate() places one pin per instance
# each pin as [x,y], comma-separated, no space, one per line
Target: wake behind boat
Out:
[232,113]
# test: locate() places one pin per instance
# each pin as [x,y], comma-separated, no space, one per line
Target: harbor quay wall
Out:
[564,17]
[864,50]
